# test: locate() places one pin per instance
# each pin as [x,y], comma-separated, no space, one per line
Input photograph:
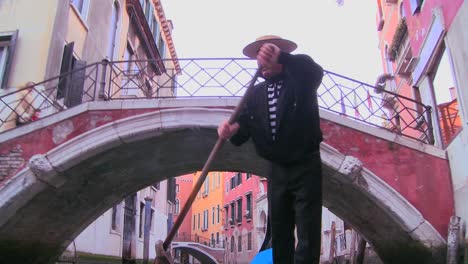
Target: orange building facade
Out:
[206,217]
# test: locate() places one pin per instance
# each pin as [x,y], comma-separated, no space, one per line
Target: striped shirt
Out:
[273,91]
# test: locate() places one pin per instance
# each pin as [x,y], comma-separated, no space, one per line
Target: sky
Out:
[343,39]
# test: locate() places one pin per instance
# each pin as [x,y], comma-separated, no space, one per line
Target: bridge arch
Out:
[65,189]
[197,250]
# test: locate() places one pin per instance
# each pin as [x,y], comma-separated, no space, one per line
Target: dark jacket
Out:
[298,121]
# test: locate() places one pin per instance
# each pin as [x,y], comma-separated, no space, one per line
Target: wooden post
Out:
[332,242]
[352,247]
[453,240]
[361,250]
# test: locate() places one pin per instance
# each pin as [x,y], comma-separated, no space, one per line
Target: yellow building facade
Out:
[42,42]
[207,223]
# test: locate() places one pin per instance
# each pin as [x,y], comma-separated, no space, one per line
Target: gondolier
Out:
[281,116]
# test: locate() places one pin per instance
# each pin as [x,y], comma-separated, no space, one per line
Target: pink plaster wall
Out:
[419,24]
[424,180]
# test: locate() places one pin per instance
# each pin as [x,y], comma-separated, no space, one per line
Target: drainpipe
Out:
[452,240]
[146,235]
[104,64]
[430,126]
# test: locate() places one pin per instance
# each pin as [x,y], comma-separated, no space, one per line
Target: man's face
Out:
[270,70]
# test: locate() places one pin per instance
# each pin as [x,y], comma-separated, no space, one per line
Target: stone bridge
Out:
[205,254]
[88,151]
[78,163]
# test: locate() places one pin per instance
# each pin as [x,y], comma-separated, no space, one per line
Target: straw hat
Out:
[285,45]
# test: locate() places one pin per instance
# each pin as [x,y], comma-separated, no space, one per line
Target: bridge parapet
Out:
[209,242]
[122,80]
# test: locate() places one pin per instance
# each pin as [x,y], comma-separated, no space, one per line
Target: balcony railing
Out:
[206,78]
[449,120]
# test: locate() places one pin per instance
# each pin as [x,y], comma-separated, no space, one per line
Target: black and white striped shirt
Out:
[273,91]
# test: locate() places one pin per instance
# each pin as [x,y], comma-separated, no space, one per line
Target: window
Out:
[239,244]
[140,226]
[226,209]
[212,240]
[206,186]
[212,215]
[194,221]
[151,220]
[161,47]
[233,183]
[177,205]
[218,213]
[236,180]
[198,220]
[114,217]
[155,30]
[82,7]
[248,176]
[232,244]
[217,237]
[232,213]
[7,51]
[416,6]
[249,241]
[248,205]
[205,220]
[239,210]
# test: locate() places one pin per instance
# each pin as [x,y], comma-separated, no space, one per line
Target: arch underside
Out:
[200,255]
[38,230]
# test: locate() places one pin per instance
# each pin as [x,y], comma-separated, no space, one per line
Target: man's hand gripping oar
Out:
[163,255]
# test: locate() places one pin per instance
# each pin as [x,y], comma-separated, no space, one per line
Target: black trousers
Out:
[295,197]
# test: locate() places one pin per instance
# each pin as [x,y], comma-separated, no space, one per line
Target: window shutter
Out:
[66,67]
[9,60]
[75,92]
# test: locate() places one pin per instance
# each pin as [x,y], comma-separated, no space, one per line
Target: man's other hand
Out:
[226,131]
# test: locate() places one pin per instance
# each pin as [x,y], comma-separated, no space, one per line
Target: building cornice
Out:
[137,16]
[166,26]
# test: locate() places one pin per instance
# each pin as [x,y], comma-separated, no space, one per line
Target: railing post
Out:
[104,64]
[430,127]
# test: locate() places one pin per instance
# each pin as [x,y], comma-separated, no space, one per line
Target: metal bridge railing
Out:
[216,77]
[209,242]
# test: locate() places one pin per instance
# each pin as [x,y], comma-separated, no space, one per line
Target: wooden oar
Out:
[163,256]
